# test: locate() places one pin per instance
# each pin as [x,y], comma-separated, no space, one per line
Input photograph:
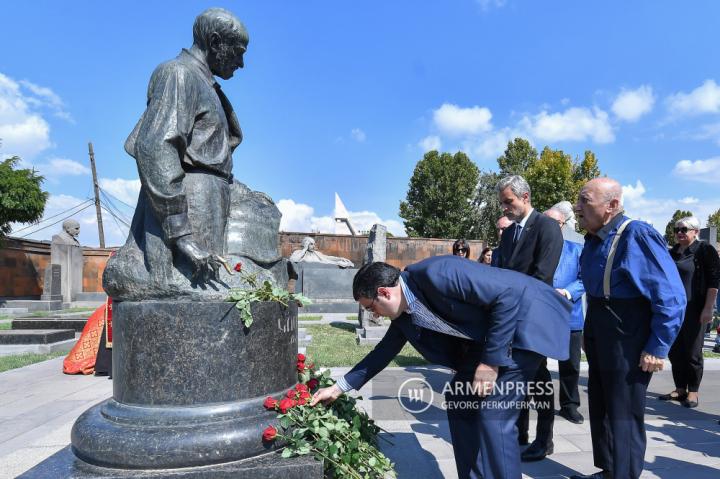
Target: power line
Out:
[51,217]
[116,198]
[104,206]
[58,221]
[109,204]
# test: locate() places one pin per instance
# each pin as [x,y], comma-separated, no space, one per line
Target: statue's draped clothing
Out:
[183,146]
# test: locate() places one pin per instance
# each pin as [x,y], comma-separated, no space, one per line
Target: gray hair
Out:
[690,222]
[565,208]
[221,21]
[516,183]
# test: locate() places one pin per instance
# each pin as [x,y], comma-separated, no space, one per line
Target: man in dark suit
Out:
[532,245]
[492,326]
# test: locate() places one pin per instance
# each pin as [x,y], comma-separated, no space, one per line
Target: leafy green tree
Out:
[551,179]
[714,220]
[584,171]
[439,201]
[488,206]
[669,234]
[21,198]
[517,158]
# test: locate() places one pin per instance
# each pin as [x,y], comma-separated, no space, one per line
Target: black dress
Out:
[699,268]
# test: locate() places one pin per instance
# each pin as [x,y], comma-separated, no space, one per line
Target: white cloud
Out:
[658,211]
[23,131]
[431,142]
[358,135]
[630,105]
[703,99]
[458,121]
[299,217]
[126,191]
[704,171]
[62,167]
[574,124]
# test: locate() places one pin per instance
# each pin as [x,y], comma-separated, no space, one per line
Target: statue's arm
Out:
[160,145]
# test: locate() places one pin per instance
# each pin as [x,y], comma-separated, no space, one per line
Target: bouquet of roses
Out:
[340,434]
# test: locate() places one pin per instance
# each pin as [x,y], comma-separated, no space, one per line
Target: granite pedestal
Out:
[189,381]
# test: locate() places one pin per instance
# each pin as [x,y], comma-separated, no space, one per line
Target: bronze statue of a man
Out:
[183,146]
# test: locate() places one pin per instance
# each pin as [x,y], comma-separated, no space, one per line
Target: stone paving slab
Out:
[39,404]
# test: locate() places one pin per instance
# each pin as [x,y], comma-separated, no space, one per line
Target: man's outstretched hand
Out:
[326,395]
[206,266]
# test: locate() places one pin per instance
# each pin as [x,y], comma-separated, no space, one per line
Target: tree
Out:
[439,201]
[517,158]
[669,234]
[584,171]
[714,220]
[488,206]
[21,198]
[551,179]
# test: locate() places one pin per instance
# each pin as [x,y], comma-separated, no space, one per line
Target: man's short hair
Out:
[373,276]
[517,185]
[220,21]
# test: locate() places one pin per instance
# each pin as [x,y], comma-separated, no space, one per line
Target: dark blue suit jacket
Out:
[499,309]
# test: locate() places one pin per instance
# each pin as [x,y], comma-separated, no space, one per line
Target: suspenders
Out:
[611,257]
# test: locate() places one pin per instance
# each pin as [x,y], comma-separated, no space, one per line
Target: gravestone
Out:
[65,251]
[52,285]
[371,329]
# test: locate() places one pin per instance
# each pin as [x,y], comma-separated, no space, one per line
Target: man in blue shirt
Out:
[568,282]
[635,309]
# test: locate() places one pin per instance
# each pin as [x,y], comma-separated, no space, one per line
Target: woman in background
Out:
[699,268]
[461,248]
[486,256]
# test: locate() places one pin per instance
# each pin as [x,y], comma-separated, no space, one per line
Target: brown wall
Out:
[23,262]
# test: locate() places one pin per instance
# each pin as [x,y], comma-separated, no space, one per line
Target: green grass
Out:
[20,360]
[5,326]
[334,345]
[310,317]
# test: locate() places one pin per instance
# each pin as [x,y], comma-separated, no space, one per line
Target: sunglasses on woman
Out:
[682,230]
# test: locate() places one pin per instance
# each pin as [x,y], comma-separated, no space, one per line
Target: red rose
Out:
[303,400]
[270,403]
[313,383]
[305,395]
[301,358]
[286,404]
[269,433]
[238,267]
[300,366]
[312,366]
[291,393]
[301,387]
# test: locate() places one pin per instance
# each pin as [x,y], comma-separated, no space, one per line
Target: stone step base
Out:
[49,323]
[32,305]
[15,349]
[89,296]
[36,336]
[326,307]
[13,311]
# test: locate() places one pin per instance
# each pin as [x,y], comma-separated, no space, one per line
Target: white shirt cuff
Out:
[343,384]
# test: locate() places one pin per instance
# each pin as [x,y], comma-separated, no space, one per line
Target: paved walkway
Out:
[38,405]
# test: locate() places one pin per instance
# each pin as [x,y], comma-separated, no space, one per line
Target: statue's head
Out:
[308,243]
[71,227]
[224,40]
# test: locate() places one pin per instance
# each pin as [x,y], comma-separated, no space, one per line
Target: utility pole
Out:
[101,233]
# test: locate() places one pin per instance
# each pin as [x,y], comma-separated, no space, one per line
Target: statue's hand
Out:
[206,266]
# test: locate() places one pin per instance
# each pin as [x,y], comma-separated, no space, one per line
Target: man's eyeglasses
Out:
[682,230]
[369,308]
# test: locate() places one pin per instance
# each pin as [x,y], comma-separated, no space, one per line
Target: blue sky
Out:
[346,96]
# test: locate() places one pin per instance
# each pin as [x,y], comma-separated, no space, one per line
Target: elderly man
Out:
[636,303]
[183,146]
[568,222]
[489,325]
[532,245]
[568,283]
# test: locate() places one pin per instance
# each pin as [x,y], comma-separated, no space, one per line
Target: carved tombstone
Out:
[376,251]
[66,252]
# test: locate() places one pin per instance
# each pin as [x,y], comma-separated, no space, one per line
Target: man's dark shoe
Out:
[597,475]
[537,451]
[523,439]
[572,415]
